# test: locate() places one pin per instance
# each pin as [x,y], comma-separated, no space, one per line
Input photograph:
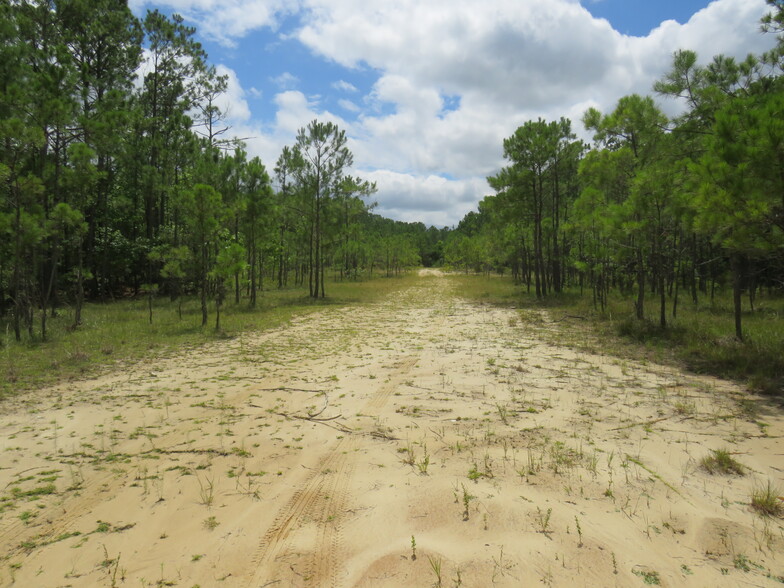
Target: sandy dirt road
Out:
[419,440]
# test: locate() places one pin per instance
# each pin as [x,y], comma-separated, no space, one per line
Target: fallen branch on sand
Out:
[312,416]
[282,388]
[648,423]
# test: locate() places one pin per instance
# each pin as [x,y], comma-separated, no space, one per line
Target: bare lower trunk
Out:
[737,290]
[639,306]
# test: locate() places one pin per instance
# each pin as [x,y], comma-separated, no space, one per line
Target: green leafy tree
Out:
[741,182]
[533,184]
[204,210]
[350,209]
[257,196]
[104,39]
[174,261]
[292,225]
[230,262]
[321,163]
[637,126]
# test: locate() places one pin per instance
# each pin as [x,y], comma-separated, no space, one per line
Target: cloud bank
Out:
[454,77]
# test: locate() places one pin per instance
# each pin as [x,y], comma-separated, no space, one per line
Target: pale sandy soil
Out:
[529,463]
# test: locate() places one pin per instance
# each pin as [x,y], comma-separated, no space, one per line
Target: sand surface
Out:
[318,453]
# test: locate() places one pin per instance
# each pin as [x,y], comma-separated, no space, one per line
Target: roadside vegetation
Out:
[120,331]
[697,340]
[668,232]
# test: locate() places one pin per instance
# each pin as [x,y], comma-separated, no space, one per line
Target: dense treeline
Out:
[116,177]
[660,207]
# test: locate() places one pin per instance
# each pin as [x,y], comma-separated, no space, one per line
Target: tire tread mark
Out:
[302,504]
[308,502]
[380,398]
[322,568]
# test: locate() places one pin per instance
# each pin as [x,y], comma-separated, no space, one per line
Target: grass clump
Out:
[649,577]
[488,289]
[720,461]
[33,493]
[210,523]
[767,500]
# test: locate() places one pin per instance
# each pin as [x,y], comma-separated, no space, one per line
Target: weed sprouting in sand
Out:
[766,500]
[720,461]
[467,498]
[409,457]
[503,413]
[488,466]
[206,490]
[561,457]
[112,566]
[423,464]
[500,567]
[741,562]
[250,488]
[210,523]
[543,520]
[435,565]
[649,577]
[593,463]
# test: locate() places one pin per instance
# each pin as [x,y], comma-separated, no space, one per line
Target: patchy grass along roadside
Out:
[117,332]
[699,338]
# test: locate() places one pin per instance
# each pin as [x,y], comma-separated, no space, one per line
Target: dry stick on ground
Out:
[219,452]
[313,417]
[385,436]
[422,388]
[325,421]
[643,424]
[281,388]
[654,421]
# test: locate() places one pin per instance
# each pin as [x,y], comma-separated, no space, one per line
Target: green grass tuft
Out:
[767,500]
[720,461]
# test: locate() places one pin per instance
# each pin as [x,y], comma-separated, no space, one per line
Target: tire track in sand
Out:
[320,500]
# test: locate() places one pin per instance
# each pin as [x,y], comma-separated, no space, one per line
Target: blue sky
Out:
[639,17]
[427,89]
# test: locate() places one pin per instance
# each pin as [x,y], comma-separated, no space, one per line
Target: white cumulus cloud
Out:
[225,20]
[454,77]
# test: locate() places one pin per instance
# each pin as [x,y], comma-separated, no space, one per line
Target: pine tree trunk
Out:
[737,289]
[640,304]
